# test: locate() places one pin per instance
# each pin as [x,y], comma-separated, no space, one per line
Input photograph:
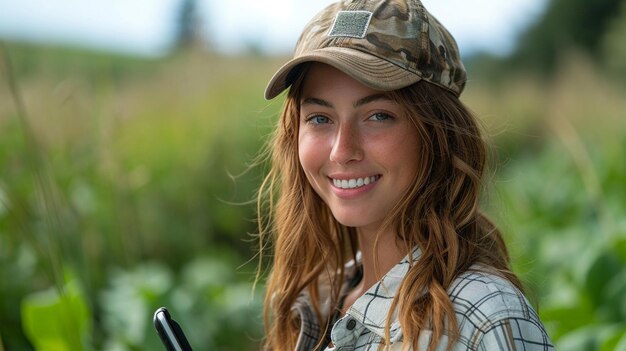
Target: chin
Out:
[353,220]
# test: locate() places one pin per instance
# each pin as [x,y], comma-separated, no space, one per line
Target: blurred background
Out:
[127,131]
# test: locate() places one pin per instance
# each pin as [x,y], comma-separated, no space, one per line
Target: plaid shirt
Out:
[491,314]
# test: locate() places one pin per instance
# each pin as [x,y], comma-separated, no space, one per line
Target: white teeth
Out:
[354,183]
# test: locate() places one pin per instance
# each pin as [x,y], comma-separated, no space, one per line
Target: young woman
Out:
[372,196]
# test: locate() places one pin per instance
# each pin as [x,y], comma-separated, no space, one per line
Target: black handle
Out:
[169,331]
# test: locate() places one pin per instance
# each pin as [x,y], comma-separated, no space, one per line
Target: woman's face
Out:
[358,149]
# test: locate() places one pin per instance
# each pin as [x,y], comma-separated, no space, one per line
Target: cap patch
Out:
[350,24]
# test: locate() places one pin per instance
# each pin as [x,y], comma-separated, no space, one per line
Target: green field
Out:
[125,185]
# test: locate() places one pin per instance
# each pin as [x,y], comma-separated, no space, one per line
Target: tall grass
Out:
[46,227]
[111,173]
[559,195]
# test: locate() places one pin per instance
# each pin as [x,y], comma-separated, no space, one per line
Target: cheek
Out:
[409,149]
[397,145]
[312,156]
[401,152]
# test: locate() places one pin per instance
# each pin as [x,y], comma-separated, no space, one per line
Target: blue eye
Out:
[318,119]
[380,116]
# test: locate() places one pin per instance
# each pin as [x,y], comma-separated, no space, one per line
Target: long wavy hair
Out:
[439,214]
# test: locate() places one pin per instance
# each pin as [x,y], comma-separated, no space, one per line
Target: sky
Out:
[146,27]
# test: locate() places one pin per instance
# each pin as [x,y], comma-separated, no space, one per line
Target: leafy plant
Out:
[58,320]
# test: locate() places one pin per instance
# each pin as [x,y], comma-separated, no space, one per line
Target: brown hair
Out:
[439,214]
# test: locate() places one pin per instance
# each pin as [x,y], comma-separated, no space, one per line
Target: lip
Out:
[353,193]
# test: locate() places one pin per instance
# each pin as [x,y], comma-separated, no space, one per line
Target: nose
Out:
[347,145]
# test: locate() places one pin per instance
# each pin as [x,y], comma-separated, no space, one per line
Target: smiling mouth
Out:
[355,182]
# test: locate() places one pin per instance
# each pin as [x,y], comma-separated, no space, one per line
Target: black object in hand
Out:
[170,332]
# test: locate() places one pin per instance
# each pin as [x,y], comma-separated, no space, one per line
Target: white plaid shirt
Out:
[491,313]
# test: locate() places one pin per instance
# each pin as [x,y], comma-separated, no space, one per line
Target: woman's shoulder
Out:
[493,314]
[480,294]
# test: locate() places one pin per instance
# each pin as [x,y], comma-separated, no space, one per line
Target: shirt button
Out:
[351,324]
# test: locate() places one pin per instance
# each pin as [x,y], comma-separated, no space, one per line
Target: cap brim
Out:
[370,70]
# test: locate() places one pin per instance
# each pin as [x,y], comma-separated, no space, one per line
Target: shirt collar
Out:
[372,308]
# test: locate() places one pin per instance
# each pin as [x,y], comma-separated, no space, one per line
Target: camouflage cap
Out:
[384,44]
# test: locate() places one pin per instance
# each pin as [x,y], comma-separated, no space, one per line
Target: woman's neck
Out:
[378,256]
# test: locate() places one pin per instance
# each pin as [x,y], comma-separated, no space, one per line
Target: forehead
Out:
[323,80]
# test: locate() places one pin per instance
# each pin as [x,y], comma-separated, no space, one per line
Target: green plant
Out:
[58,320]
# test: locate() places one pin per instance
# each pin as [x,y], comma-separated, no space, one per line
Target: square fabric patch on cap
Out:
[350,24]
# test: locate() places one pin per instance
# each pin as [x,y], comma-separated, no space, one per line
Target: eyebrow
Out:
[363,101]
